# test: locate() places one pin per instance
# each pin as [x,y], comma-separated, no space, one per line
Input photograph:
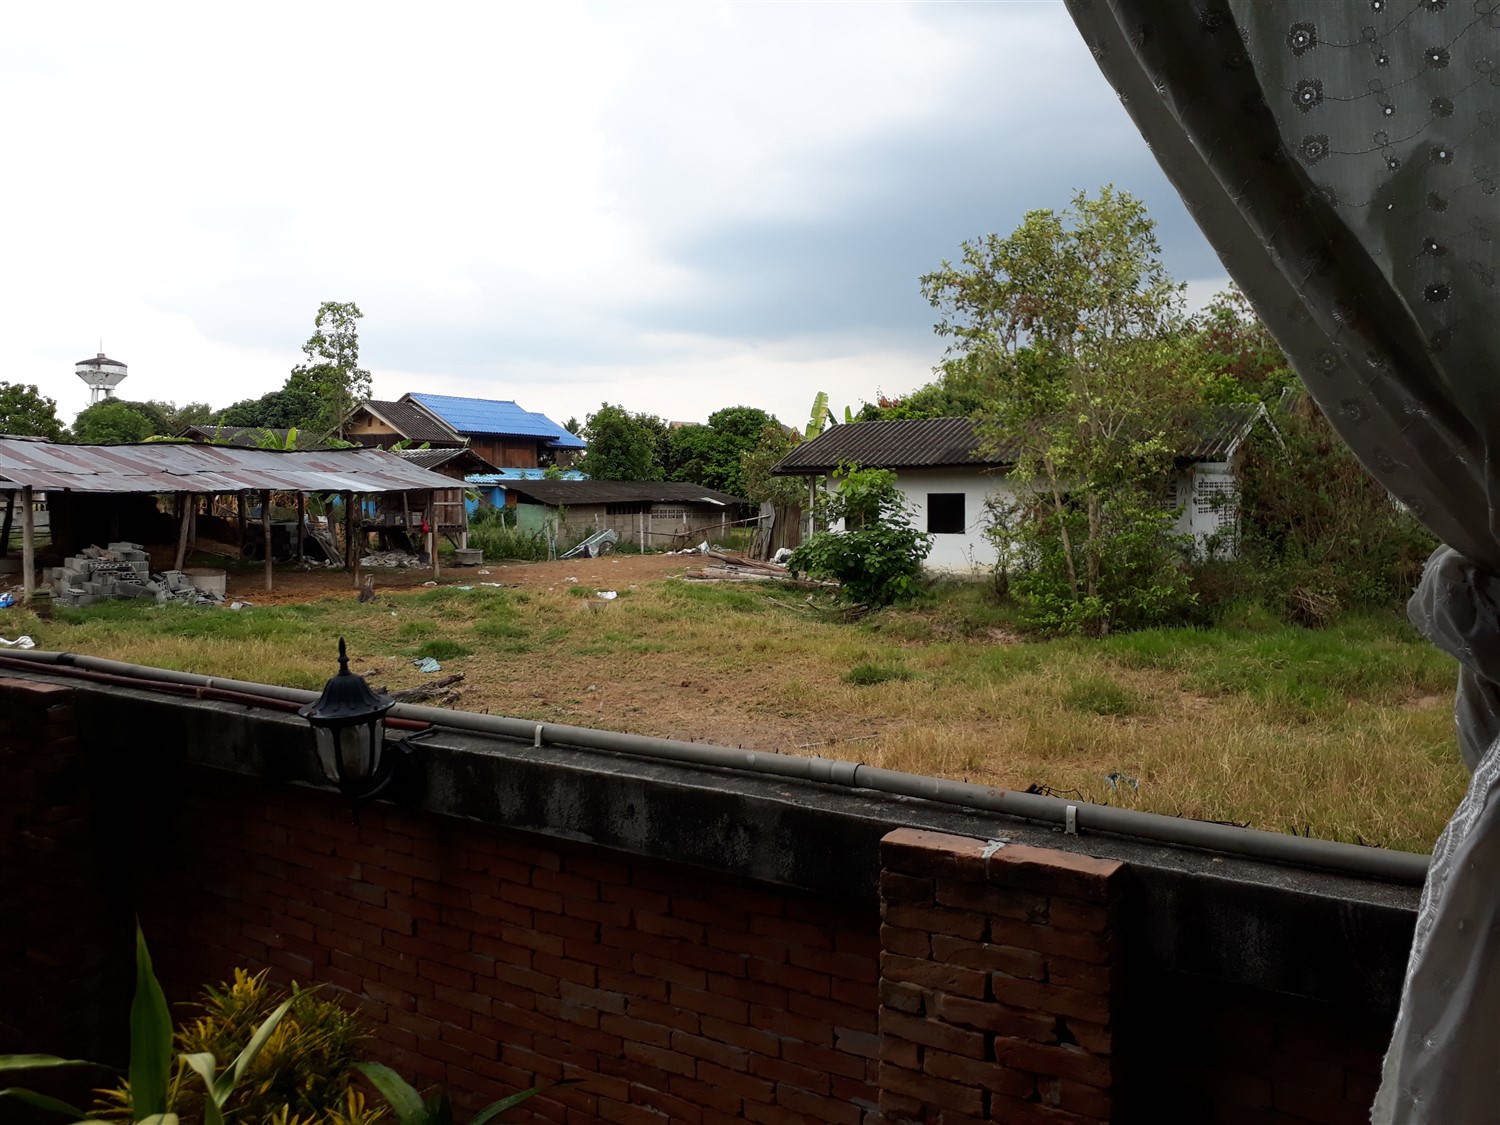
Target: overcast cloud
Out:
[672,207]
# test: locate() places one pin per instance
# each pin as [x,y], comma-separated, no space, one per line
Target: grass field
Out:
[1344,733]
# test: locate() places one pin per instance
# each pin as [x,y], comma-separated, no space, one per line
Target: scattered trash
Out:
[20,642]
[427,664]
[1114,779]
[429,582]
[592,687]
[781,555]
[392,560]
[608,595]
[463,587]
[240,605]
[7,600]
[600,543]
[703,547]
[497,585]
[483,572]
[570,580]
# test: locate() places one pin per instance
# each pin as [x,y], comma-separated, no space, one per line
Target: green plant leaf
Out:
[37,1062]
[41,1101]
[403,1098]
[247,1056]
[204,1063]
[150,1038]
[439,1108]
[503,1104]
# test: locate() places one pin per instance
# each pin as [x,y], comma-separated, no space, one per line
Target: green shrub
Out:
[868,674]
[491,533]
[877,559]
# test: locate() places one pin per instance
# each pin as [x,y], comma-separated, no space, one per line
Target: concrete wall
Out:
[691,945]
[664,526]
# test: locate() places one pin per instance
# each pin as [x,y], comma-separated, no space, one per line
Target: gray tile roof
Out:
[467,459]
[411,421]
[1213,434]
[565,492]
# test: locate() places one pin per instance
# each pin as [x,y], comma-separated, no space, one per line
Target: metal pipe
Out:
[1380,863]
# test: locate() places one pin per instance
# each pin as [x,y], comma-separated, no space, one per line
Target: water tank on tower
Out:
[102,375]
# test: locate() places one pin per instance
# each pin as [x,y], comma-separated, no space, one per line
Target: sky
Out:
[671,207]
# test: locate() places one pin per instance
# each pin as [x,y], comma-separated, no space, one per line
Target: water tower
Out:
[102,374]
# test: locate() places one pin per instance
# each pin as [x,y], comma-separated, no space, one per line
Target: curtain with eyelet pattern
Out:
[1343,158]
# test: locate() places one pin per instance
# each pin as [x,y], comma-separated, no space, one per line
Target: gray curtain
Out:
[1343,157]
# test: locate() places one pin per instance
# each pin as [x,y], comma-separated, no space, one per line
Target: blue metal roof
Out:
[520,474]
[496,416]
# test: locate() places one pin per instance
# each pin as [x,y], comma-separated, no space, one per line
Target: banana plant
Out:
[437,1109]
[150,1058]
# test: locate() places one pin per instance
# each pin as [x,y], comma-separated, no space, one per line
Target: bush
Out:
[877,559]
[303,1073]
[494,532]
[1318,534]
[1138,580]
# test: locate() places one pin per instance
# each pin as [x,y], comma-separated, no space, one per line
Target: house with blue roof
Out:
[499,430]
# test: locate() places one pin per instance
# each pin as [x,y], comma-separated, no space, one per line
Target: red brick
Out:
[933,975]
[929,1090]
[896,887]
[1092,948]
[1032,995]
[1054,872]
[1059,1062]
[978,1072]
[934,919]
[931,1033]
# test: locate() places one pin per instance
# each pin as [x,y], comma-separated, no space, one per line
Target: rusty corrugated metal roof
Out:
[1212,433]
[192,467]
[565,492]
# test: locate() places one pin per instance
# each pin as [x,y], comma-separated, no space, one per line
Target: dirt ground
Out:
[293,585]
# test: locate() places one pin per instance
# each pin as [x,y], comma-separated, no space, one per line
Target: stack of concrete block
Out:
[121,570]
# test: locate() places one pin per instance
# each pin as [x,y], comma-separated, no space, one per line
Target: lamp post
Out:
[347,721]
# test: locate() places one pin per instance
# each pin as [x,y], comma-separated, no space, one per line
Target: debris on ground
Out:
[22,641]
[607,595]
[428,690]
[119,571]
[427,664]
[392,560]
[737,568]
[7,600]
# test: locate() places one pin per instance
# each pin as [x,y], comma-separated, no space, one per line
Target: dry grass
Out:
[1342,733]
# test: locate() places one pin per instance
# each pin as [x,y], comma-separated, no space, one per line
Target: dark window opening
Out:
[945,513]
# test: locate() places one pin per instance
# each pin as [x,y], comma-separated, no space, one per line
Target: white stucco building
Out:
[948,485]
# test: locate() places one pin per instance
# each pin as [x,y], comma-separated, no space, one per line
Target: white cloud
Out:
[502,188]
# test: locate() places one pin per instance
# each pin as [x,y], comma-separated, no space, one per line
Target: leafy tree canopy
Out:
[115,421]
[774,443]
[623,446]
[25,411]
[1236,355]
[710,455]
[280,410]
[330,369]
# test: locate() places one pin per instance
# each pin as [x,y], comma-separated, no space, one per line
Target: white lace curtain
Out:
[1343,157]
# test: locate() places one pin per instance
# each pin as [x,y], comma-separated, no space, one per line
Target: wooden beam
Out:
[265,527]
[184,519]
[240,512]
[354,566]
[437,569]
[301,525]
[28,544]
[348,530]
[10,515]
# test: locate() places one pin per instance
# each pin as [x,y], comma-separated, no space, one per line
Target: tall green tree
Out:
[1074,322]
[1239,359]
[113,421]
[26,412]
[756,463]
[330,370]
[710,455]
[623,446]
[278,410]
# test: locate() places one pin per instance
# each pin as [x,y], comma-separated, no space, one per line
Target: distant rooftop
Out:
[471,416]
[412,422]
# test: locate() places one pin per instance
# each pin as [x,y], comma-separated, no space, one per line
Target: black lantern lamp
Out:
[347,733]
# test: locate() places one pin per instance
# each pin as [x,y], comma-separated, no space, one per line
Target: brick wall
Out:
[998,968]
[488,960]
[64,942]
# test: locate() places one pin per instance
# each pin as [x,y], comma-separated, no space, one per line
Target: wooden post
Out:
[406,517]
[240,512]
[360,541]
[193,522]
[265,528]
[348,530]
[432,524]
[10,514]
[301,525]
[184,518]
[28,543]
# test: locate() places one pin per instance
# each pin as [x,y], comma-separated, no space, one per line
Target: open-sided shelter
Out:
[81,480]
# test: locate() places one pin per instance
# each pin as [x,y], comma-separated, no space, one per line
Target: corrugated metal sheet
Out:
[1212,434]
[496,416]
[565,492]
[247,437]
[189,467]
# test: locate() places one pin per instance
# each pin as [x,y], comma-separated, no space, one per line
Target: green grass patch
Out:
[868,674]
[1100,695]
[441,648]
